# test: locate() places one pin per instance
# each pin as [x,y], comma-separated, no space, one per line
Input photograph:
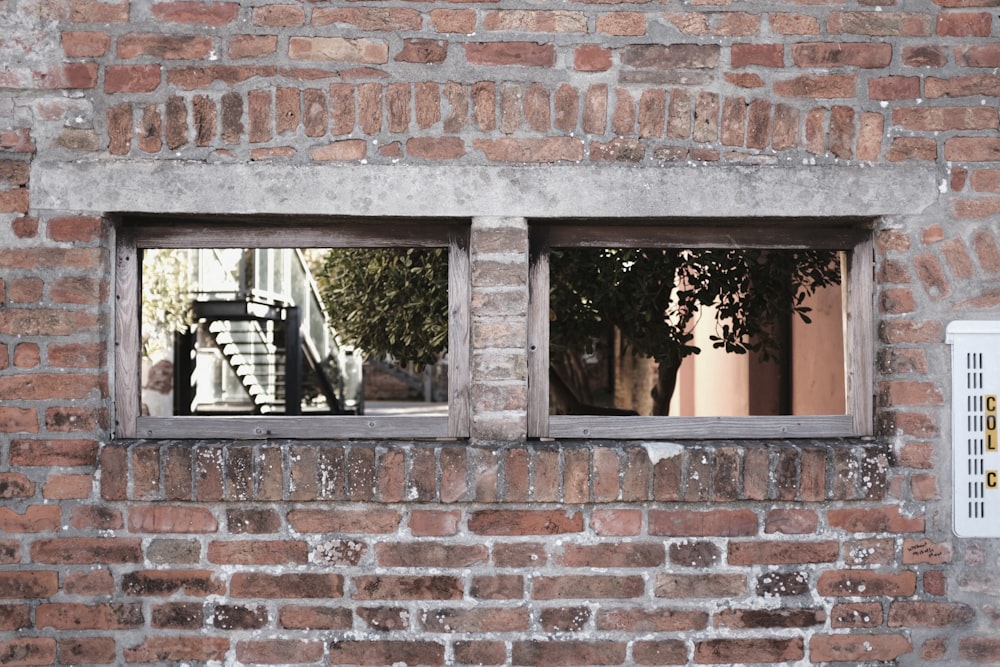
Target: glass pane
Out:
[285,331]
[706,332]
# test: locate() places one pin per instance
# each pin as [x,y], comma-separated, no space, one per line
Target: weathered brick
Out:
[858,647]
[524,522]
[750,649]
[405,587]
[867,583]
[547,653]
[524,54]
[587,587]
[690,523]
[216,14]
[167,582]
[293,585]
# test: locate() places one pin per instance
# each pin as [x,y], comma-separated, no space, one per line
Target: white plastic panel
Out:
[975,405]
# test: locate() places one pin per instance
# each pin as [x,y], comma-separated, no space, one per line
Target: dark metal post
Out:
[293,362]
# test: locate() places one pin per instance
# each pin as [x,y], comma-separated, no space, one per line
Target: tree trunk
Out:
[666,382]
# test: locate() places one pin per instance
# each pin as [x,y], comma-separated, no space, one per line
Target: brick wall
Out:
[507,552]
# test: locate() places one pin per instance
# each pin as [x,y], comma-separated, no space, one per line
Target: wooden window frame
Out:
[851,235]
[137,233]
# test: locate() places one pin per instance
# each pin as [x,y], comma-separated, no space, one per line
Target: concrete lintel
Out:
[592,191]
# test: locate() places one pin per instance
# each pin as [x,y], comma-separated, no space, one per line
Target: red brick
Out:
[79,290]
[534,653]
[369,19]
[622,24]
[53,453]
[520,554]
[962,86]
[29,651]
[372,653]
[616,522]
[131,78]
[908,392]
[979,649]
[10,551]
[497,587]
[856,615]
[89,650]
[85,550]
[651,620]
[16,485]
[25,290]
[346,150]
[280,16]
[259,116]
[437,523]
[942,119]
[885,24]
[685,586]
[972,149]
[840,54]
[25,227]
[279,651]
[964,24]
[479,619]
[252,46]
[535,21]
[179,648]
[18,420]
[925,56]
[480,652]
[215,14]
[769,618]
[85,44]
[894,88]
[96,517]
[461,21]
[912,148]
[591,58]
[294,585]
[858,647]
[165,47]
[524,54]
[866,583]
[29,584]
[146,583]
[192,78]
[524,522]
[977,209]
[167,519]
[65,616]
[68,487]
[426,51]
[921,613]
[259,552]
[780,553]
[818,86]
[14,201]
[429,554]
[587,587]
[295,617]
[633,554]
[405,587]
[748,650]
[689,523]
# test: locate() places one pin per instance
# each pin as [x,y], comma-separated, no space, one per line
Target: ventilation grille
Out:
[976,465]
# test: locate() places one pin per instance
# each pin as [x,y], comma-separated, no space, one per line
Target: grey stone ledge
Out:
[573,191]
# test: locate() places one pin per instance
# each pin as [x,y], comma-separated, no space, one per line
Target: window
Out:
[842,334]
[253,356]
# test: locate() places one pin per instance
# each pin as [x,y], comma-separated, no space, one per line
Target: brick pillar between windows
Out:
[499,249]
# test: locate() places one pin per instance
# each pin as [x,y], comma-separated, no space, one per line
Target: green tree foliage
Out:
[166,299]
[390,302]
[394,302]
